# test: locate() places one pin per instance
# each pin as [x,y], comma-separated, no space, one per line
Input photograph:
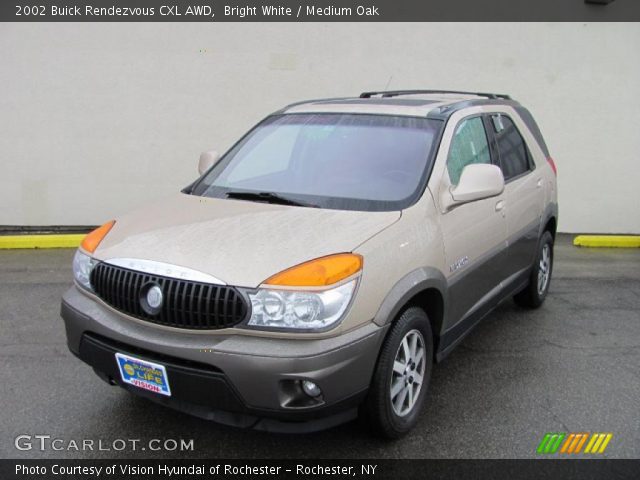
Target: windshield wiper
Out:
[268,197]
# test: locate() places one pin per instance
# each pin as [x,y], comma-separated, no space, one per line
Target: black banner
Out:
[318,10]
[302,469]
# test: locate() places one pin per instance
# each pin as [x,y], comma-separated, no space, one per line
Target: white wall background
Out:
[96,119]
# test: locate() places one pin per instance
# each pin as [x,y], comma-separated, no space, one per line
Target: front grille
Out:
[187,304]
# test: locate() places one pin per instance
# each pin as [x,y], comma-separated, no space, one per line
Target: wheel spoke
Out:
[417,378]
[397,388]
[410,391]
[413,346]
[401,398]
[418,358]
[405,349]
[399,367]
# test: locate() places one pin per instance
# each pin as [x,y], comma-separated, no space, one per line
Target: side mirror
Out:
[207,160]
[478,181]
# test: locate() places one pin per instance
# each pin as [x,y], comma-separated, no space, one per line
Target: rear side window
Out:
[469,145]
[533,128]
[514,155]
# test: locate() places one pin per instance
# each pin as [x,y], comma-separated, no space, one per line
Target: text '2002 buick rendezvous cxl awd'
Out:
[320,267]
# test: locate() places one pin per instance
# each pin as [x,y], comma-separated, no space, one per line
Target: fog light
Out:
[311,388]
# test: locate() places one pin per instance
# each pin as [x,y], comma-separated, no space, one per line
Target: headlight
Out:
[299,309]
[308,296]
[82,266]
[83,263]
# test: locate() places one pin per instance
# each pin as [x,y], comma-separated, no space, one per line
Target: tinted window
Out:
[264,155]
[514,156]
[469,145]
[343,161]
[533,128]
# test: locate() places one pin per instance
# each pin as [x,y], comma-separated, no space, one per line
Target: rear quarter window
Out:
[531,124]
[515,159]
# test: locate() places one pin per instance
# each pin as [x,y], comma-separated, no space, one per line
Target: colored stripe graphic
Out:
[550,442]
[556,444]
[598,443]
[543,443]
[565,447]
[581,443]
[572,443]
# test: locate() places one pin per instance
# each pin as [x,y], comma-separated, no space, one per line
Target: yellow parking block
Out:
[40,241]
[611,241]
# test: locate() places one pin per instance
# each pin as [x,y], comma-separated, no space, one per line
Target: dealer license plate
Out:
[143,374]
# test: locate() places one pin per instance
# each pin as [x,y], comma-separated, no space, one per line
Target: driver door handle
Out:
[500,206]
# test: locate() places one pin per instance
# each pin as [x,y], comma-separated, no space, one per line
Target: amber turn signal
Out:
[320,272]
[93,239]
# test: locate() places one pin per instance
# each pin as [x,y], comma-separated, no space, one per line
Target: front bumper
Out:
[233,379]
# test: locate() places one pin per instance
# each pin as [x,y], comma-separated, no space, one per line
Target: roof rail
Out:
[396,93]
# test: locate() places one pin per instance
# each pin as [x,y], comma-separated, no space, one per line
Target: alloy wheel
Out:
[408,373]
[544,268]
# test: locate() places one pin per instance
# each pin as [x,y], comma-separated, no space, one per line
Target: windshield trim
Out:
[336,203]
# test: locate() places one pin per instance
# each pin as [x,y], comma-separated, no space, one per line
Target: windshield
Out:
[339,161]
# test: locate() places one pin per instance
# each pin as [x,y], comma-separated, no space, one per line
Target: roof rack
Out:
[396,93]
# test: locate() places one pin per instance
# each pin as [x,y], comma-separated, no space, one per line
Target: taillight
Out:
[553,165]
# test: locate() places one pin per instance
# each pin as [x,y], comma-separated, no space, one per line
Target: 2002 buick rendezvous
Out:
[321,266]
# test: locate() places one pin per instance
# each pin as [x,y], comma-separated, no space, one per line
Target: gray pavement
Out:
[571,366]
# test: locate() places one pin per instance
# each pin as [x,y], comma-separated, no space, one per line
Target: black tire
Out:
[378,409]
[532,296]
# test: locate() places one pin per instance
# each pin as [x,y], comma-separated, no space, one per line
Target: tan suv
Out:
[323,264]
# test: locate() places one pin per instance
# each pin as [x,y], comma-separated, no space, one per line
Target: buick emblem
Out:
[151,298]
[154,297]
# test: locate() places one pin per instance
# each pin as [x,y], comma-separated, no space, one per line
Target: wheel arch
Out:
[425,288]
[550,220]
[551,227]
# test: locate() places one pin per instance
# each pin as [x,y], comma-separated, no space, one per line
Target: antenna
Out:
[389,82]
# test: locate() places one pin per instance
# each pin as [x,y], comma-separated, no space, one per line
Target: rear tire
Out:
[401,378]
[533,295]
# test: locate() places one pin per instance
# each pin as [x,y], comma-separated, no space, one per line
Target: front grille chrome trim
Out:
[164,270]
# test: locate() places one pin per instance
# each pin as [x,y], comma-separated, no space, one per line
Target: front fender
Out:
[409,286]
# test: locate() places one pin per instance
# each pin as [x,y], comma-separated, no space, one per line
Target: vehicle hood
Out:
[239,242]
